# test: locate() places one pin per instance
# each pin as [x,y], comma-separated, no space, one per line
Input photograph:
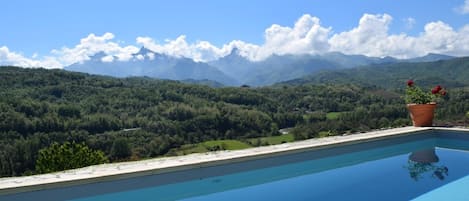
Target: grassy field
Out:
[332,115]
[216,145]
[226,144]
[325,134]
[213,145]
[272,140]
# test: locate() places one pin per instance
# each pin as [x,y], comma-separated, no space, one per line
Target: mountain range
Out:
[452,73]
[152,64]
[233,69]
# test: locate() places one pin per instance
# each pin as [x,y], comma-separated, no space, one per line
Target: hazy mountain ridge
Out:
[152,64]
[233,69]
[449,73]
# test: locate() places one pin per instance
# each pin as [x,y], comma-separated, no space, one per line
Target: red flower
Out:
[410,83]
[417,96]
[436,89]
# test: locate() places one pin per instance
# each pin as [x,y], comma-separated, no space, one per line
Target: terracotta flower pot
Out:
[422,114]
[424,156]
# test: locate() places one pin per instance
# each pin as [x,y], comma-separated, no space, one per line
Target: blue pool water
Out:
[384,179]
[378,170]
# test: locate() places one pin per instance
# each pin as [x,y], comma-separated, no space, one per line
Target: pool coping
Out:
[122,170]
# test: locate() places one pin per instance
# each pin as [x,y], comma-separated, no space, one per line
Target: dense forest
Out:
[137,117]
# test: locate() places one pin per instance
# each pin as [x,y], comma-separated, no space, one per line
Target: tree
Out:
[66,156]
[69,111]
[120,149]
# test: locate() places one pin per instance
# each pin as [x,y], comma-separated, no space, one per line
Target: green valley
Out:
[137,117]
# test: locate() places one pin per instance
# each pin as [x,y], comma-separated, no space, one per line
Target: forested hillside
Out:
[134,118]
[451,73]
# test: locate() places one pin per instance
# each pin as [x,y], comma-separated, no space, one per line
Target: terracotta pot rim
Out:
[431,103]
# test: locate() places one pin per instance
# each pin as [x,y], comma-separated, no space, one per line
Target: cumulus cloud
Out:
[151,55]
[178,47]
[140,57]
[198,51]
[306,37]
[370,37]
[8,57]
[108,59]
[91,45]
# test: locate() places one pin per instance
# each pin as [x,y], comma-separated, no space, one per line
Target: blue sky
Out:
[41,32]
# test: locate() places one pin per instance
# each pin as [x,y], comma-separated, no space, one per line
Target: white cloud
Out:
[91,45]
[247,50]
[439,37]
[199,51]
[178,47]
[108,59]
[370,37]
[8,57]
[306,37]
[150,55]
[140,57]
[463,9]
[367,38]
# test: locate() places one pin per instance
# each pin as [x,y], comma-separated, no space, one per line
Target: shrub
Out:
[66,156]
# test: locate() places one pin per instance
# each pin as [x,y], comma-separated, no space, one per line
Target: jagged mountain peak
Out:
[232,69]
[98,56]
[146,54]
[235,51]
[234,54]
[146,62]
[143,51]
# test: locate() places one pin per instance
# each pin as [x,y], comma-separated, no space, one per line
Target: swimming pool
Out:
[400,167]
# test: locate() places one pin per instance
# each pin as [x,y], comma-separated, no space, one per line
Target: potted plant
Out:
[421,105]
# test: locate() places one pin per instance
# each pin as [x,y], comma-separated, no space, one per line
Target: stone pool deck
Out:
[107,172]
